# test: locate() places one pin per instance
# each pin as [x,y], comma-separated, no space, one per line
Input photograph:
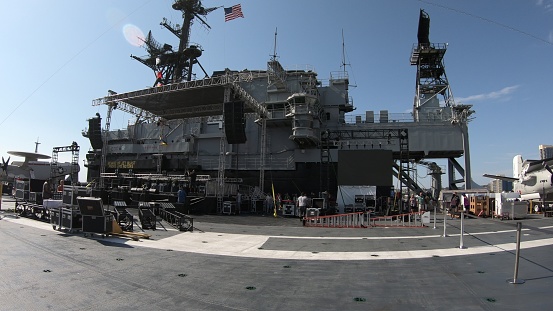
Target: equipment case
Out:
[94,218]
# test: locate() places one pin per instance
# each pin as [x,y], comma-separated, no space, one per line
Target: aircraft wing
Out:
[500,177]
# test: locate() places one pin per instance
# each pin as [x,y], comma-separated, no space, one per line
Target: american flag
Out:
[233,12]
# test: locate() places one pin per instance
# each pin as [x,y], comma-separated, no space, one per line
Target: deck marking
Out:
[244,245]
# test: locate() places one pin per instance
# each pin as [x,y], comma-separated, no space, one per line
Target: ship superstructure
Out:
[273,128]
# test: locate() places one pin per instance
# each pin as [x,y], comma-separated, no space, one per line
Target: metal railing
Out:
[413,219]
[441,114]
[364,220]
[350,220]
[246,162]
[176,219]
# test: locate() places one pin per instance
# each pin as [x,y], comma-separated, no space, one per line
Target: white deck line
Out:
[244,245]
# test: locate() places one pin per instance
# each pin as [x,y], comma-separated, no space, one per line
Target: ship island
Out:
[273,131]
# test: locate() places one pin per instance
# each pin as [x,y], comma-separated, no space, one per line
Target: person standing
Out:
[278,201]
[60,186]
[193,176]
[238,200]
[181,195]
[421,202]
[453,204]
[268,204]
[466,202]
[412,203]
[303,201]
[46,190]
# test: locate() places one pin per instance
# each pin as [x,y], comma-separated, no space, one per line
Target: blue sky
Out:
[57,56]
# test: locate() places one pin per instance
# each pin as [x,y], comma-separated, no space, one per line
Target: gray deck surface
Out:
[286,266]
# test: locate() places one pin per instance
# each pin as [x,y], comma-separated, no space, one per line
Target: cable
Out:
[488,20]
[69,61]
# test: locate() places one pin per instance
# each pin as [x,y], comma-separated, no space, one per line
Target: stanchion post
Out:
[445,220]
[461,246]
[515,279]
[434,216]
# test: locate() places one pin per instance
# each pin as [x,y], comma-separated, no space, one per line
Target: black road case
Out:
[95,220]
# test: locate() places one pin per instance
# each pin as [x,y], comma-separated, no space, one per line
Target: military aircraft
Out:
[532,179]
[32,168]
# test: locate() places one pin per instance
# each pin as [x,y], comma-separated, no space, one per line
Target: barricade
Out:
[350,220]
[364,220]
[413,219]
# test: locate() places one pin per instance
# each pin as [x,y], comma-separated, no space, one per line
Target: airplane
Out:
[32,168]
[532,179]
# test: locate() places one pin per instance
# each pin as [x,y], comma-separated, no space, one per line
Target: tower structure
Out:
[432,87]
[432,83]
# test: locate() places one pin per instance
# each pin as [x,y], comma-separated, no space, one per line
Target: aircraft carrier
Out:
[273,128]
[252,130]
[266,263]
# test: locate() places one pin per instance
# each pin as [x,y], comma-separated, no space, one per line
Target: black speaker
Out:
[95,132]
[383,191]
[235,122]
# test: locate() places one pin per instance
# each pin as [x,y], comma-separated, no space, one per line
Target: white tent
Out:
[346,194]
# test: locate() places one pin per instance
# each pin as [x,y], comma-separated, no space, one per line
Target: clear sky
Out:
[58,56]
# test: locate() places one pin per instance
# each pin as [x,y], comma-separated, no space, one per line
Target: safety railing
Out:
[350,220]
[413,219]
[364,220]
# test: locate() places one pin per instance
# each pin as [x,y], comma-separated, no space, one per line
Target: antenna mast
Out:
[343,53]
[274,56]
[36,145]
[344,64]
[174,66]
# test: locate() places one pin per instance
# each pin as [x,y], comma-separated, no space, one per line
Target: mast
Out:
[187,8]
[274,56]
[36,145]
[343,54]
[172,66]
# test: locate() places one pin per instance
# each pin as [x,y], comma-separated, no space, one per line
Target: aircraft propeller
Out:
[5,165]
